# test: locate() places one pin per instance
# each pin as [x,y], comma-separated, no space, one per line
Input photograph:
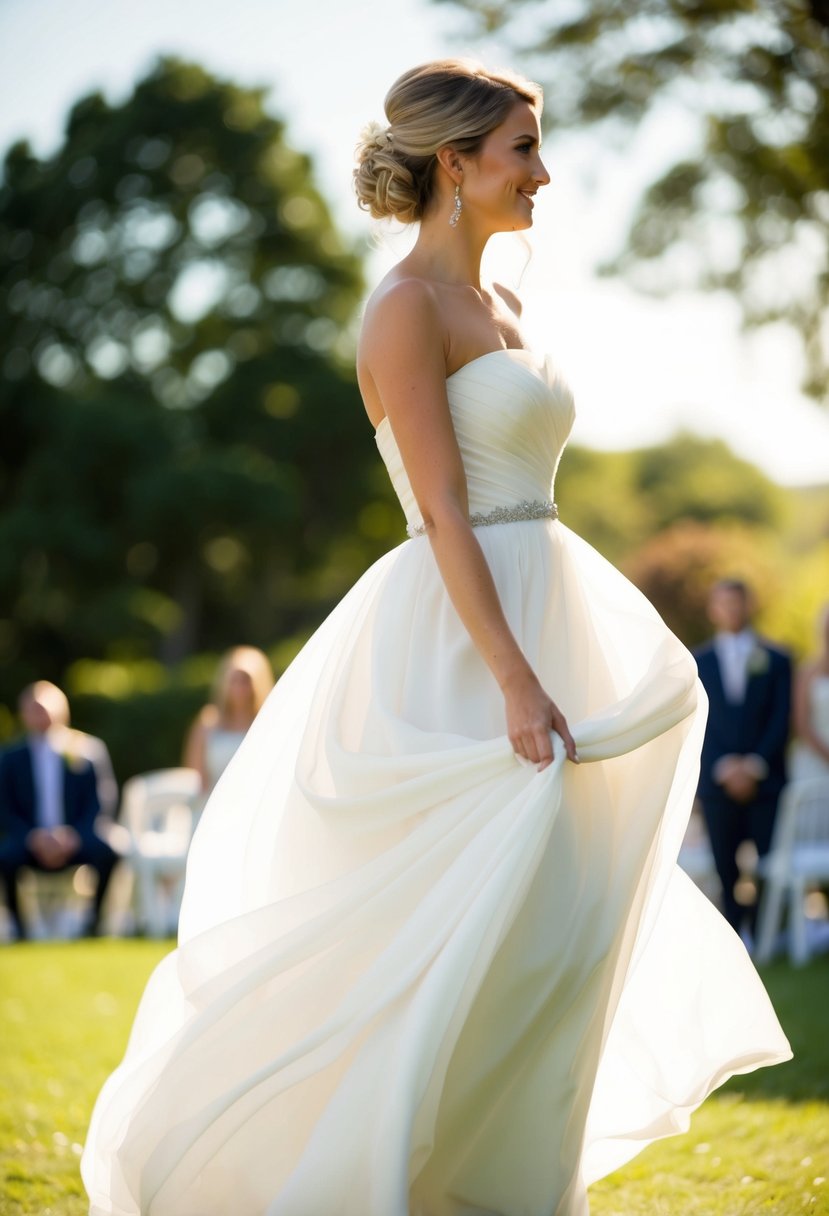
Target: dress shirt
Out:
[47,770]
[733,650]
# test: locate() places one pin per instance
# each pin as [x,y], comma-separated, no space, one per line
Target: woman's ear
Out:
[450,161]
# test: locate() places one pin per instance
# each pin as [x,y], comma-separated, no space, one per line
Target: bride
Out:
[435,955]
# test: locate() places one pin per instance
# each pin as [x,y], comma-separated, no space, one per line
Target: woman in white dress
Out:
[241,685]
[810,751]
[455,970]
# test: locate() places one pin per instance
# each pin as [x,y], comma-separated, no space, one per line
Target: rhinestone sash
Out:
[540,508]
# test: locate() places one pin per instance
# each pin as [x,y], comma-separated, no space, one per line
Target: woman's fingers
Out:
[531,732]
[529,747]
[535,745]
[544,748]
[561,727]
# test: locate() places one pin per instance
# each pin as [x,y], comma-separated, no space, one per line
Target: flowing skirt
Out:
[415,976]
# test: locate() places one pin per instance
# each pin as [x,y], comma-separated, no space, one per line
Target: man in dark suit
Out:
[49,804]
[748,682]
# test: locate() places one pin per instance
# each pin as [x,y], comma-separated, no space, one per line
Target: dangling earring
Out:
[456,214]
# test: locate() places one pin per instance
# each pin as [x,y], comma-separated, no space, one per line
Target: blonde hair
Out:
[257,665]
[447,101]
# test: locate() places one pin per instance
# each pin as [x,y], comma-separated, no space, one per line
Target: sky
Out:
[641,369]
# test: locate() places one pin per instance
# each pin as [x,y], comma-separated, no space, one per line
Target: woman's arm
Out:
[402,348]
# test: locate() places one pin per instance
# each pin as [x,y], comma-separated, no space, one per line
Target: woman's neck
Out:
[452,256]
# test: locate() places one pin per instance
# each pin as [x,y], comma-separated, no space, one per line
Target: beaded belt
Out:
[538,509]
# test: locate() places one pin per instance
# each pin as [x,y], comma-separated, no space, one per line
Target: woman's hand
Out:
[531,715]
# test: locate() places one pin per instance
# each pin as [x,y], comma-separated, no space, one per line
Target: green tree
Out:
[748,211]
[676,568]
[183,441]
[619,500]
[598,498]
[702,479]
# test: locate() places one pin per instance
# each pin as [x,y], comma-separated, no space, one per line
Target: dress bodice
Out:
[512,414]
[819,706]
[220,746]
[805,760]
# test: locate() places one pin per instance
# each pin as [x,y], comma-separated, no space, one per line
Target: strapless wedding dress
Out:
[220,746]
[805,762]
[416,976]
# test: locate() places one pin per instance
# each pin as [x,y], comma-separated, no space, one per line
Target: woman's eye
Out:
[524,147]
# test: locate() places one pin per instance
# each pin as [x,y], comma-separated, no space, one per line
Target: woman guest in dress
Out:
[810,752]
[451,967]
[243,680]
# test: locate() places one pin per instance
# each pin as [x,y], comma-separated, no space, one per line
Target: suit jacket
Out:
[18,798]
[759,725]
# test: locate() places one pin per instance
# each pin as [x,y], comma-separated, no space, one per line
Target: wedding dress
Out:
[805,762]
[416,976]
[220,746]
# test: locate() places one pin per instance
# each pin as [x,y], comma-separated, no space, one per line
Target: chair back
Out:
[161,802]
[803,818]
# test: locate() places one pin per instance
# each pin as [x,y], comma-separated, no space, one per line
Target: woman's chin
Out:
[517,224]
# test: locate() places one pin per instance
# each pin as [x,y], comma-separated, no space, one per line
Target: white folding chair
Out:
[159,812]
[798,859]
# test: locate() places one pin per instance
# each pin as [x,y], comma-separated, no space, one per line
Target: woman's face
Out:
[499,182]
[239,688]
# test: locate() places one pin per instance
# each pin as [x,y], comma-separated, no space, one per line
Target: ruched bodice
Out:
[512,414]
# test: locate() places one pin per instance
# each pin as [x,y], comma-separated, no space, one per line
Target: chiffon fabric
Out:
[415,976]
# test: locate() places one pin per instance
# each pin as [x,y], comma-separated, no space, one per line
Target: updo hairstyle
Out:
[447,101]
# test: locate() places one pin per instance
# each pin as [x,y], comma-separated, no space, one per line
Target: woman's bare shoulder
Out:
[398,295]
[402,315]
[811,669]
[207,718]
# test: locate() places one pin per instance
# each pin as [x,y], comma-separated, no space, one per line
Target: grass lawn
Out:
[760,1144]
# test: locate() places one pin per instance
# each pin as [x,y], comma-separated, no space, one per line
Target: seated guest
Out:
[49,802]
[243,681]
[71,742]
[810,753]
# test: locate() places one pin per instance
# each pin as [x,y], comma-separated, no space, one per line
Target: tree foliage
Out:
[675,569]
[183,441]
[749,210]
[618,500]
